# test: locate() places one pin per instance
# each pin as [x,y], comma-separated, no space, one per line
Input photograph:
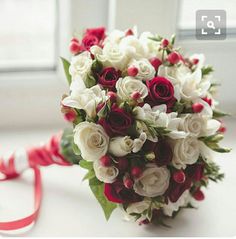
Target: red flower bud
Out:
[136,172]
[208,100]
[179,176]
[74,39]
[155,62]
[195,61]
[173,57]
[132,71]
[129,32]
[74,47]
[135,95]
[70,115]
[222,129]
[128,182]
[197,107]
[112,96]
[105,161]
[164,42]
[198,195]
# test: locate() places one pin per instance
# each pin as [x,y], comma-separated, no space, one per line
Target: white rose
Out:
[110,55]
[138,207]
[133,47]
[145,69]
[153,182]
[186,151]
[105,174]
[120,146]
[81,65]
[87,99]
[171,207]
[92,140]
[128,85]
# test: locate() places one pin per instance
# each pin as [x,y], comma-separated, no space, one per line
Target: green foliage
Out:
[97,188]
[172,39]
[90,81]
[212,171]
[156,38]
[206,70]
[213,143]
[219,114]
[66,65]
[86,164]
[67,147]
[96,66]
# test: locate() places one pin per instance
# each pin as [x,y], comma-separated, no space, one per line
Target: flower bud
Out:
[173,57]
[208,100]
[128,182]
[150,156]
[195,61]
[179,176]
[136,171]
[135,95]
[164,42]
[74,47]
[112,96]
[105,161]
[198,195]
[132,71]
[155,62]
[70,115]
[197,107]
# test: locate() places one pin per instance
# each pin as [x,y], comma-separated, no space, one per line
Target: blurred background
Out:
[33,34]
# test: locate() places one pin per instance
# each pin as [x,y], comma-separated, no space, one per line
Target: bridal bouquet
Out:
[145,125]
[145,122]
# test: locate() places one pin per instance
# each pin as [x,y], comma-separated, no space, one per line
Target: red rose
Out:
[99,32]
[89,41]
[117,122]
[163,153]
[161,91]
[175,189]
[108,78]
[195,171]
[118,193]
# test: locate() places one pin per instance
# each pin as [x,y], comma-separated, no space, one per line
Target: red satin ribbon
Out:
[38,156]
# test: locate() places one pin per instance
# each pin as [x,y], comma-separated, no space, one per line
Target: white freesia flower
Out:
[128,85]
[171,207]
[153,182]
[157,116]
[92,140]
[139,207]
[120,146]
[110,55]
[145,69]
[81,65]
[105,174]
[186,151]
[86,99]
[141,127]
[139,142]
[132,47]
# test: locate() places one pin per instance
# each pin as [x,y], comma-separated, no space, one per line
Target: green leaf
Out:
[206,70]
[96,66]
[66,65]
[98,190]
[172,39]
[90,81]
[212,171]
[76,149]
[219,114]
[156,38]
[86,164]
[89,175]
[66,147]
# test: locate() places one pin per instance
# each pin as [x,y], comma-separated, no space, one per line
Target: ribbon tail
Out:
[26,221]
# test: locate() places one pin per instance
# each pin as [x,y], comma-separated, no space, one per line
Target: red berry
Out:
[105,161]
[74,47]
[195,61]
[70,115]
[222,129]
[198,195]
[164,42]
[123,164]
[197,107]
[208,100]
[112,96]
[135,95]
[129,32]
[132,71]
[173,57]
[136,172]
[155,62]
[179,176]
[128,182]
[74,39]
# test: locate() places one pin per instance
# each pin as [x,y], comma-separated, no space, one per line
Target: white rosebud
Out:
[87,99]
[81,65]
[120,146]
[105,174]
[186,151]
[145,69]
[92,140]
[128,85]
[153,182]
[138,207]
